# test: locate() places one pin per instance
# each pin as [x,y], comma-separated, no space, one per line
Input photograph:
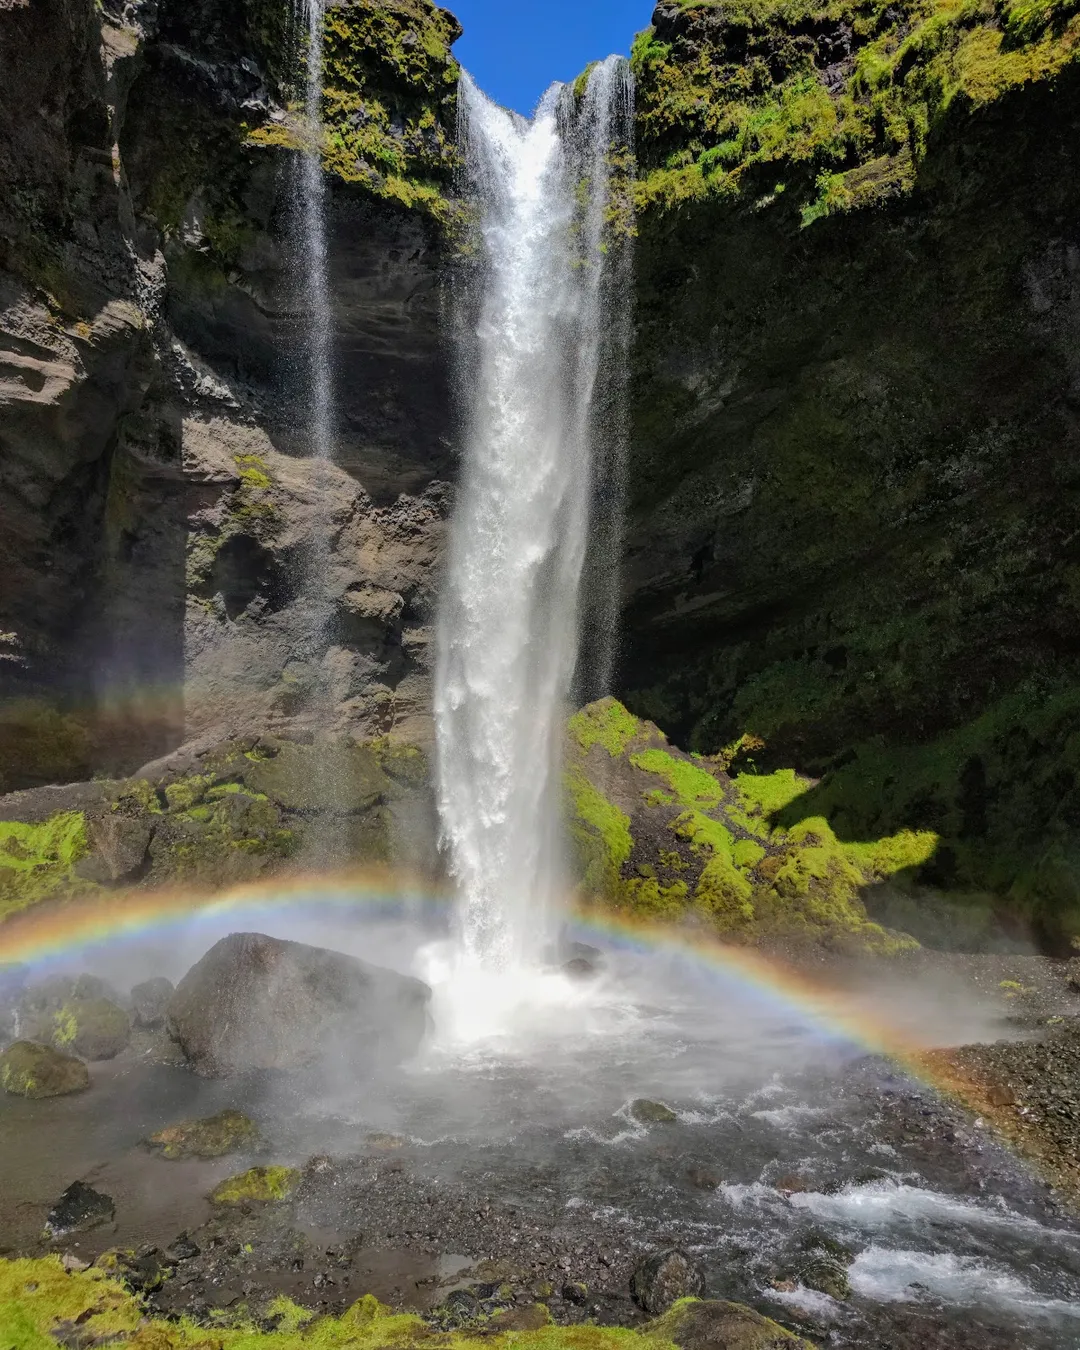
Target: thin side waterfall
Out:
[311,250]
[534,359]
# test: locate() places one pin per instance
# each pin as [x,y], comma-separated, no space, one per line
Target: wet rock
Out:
[255,1002]
[81,1015]
[79,1209]
[663,1278]
[94,1028]
[257,1186]
[118,847]
[575,1292]
[212,1137]
[704,1178]
[716,1325]
[31,1070]
[182,1248]
[821,1265]
[150,999]
[48,996]
[579,968]
[652,1113]
[384,1143]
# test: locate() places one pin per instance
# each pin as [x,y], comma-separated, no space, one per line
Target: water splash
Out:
[533,363]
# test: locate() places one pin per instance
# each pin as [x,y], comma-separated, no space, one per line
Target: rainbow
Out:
[54,933]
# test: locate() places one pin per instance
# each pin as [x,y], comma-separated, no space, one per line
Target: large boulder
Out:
[256,1002]
[671,836]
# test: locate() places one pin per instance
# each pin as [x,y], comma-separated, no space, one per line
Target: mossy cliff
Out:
[234,812]
[39,1300]
[660,834]
[856,417]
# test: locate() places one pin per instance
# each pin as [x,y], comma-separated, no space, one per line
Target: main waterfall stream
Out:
[532,358]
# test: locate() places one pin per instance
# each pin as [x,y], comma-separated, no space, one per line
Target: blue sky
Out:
[515,48]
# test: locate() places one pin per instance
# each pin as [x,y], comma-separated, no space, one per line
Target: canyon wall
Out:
[851,549]
[855,476]
[158,513]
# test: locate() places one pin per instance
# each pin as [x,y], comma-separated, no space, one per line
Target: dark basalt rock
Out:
[255,1002]
[663,1278]
[79,1208]
[150,999]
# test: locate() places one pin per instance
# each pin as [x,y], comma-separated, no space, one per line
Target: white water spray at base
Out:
[509,622]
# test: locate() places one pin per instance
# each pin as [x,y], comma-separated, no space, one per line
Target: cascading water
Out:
[311,241]
[549,247]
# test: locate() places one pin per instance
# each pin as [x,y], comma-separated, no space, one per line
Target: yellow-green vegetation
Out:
[38,1299]
[37,862]
[832,100]
[389,99]
[607,723]
[257,1186]
[212,1137]
[709,843]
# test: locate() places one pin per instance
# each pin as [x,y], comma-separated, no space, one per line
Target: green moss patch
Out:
[213,1137]
[38,862]
[706,842]
[258,1185]
[38,1299]
[827,103]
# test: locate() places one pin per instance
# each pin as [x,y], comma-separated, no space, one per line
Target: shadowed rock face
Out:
[255,1002]
[158,505]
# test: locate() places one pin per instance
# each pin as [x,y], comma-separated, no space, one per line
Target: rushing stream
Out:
[523,1145]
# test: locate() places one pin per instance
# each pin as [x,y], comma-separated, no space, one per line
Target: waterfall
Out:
[311,243]
[535,365]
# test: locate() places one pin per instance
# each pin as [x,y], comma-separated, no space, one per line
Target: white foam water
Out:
[508,632]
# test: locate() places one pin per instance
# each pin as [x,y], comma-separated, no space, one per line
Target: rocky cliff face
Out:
[852,550]
[157,508]
[857,415]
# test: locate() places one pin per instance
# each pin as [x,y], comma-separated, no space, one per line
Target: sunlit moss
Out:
[736,101]
[38,861]
[605,723]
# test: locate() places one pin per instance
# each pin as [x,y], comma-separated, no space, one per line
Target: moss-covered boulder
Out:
[708,1324]
[93,1028]
[211,1137]
[661,834]
[257,1186]
[28,1069]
